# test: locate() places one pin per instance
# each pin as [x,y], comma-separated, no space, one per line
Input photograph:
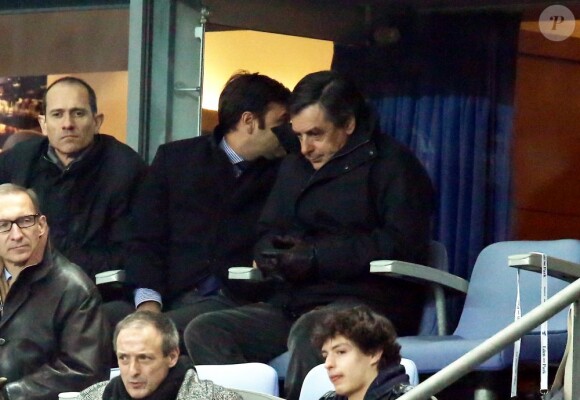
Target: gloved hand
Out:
[291,257]
[267,262]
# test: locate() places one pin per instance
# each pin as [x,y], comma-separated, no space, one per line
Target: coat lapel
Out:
[21,290]
[17,299]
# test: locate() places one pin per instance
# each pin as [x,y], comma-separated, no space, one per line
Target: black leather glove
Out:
[267,263]
[266,260]
[291,257]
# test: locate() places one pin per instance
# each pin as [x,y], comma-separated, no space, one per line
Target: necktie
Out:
[241,167]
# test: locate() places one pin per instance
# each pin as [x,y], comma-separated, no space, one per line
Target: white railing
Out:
[505,337]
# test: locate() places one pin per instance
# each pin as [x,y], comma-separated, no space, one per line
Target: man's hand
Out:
[152,306]
[290,256]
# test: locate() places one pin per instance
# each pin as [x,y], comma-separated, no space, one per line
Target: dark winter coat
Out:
[86,205]
[195,218]
[391,383]
[373,200]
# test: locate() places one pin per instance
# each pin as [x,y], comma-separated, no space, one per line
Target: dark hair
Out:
[9,188]
[335,94]
[369,331]
[248,92]
[162,323]
[71,80]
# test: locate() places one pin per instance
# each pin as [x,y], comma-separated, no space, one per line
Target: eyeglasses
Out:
[22,222]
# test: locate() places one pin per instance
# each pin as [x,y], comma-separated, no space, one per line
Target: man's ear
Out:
[42,123]
[99,118]
[350,125]
[247,121]
[42,224]
[376,357]
[173,357]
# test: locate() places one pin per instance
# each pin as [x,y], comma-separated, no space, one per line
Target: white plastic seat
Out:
[254,377]
[250,395]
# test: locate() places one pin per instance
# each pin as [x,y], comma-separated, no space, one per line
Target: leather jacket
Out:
[53,336]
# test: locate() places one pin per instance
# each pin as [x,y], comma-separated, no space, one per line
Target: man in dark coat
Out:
[354,195]
[197,210]
[53,336]
[84,180]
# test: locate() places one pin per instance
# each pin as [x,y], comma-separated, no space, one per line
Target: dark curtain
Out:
[446,90]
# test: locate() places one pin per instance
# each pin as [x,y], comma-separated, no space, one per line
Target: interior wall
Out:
[64,41]
[284,58]
[93,45]
[546,145]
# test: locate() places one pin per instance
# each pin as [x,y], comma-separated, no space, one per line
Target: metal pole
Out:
[200,34]
[494,344]
[573,366]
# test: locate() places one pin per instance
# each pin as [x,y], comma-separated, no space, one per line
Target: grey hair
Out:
[165,326]
[10,188]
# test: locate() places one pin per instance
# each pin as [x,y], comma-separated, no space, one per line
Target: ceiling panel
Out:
[346,21]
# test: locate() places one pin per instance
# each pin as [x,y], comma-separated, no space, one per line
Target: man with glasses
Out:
[53,336]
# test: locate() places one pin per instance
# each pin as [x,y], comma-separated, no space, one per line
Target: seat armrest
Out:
[419,273]
[245,273]
[438,281]
[251,395]
[117,275]
[558,268]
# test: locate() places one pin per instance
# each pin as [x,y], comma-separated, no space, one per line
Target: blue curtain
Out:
[447,93]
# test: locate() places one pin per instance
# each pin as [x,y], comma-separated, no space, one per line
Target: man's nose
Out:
[15,232]
[134,368]
[67,121]
[328,362]
[305,146]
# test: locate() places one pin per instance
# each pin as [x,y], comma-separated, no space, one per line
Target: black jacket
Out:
[195,218]
[87,205]
[53,336]
[373,200]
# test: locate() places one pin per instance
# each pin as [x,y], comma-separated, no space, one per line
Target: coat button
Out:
[2,341]
[372,152]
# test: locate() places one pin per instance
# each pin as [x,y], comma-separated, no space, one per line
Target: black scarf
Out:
[168,389]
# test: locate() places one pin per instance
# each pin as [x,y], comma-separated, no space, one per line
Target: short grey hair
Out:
[165,326]
[11,188]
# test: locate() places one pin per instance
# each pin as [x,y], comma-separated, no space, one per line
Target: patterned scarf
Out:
[168,389]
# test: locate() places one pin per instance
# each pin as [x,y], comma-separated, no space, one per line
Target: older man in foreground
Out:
[52,331]
[147,348]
